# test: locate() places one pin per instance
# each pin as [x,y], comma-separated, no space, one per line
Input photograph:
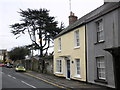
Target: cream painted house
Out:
[69,53]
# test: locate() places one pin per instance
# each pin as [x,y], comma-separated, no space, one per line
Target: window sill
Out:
[77,76]
[99,42]
[59,51]
[101,81]
[77,47]
[58,73]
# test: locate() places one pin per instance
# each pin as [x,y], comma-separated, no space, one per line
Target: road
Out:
[12,79]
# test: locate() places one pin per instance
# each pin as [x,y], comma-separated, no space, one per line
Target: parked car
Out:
[20,67]
[2,65]
[9,65]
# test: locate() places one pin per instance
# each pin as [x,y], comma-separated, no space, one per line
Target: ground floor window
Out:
[58,66]
[100,68]
[77,62]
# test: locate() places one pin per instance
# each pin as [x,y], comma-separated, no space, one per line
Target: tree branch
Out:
[48,45]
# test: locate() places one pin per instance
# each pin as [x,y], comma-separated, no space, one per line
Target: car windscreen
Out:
[20,65]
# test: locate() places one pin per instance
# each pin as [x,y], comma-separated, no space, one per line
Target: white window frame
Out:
[100,31]
[59,44]
[76,39]
[77,68]
[101,73]
[58,66]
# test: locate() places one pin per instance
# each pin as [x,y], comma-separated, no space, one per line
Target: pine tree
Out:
[39,24]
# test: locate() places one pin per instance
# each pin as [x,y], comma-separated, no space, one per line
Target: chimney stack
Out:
[72,18]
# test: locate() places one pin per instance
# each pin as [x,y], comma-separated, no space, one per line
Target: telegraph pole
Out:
[70,5]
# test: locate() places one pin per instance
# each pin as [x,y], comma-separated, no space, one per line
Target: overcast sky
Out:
[60,9]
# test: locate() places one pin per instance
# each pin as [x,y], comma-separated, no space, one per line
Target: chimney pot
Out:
[71,13]
[72,18]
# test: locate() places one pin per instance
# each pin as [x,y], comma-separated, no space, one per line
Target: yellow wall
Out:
[67,49]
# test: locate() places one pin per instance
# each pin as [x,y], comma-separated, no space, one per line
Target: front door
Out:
[68,69]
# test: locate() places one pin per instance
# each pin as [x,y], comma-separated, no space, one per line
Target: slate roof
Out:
[102,10]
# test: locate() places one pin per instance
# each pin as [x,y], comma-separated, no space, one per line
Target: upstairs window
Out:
[76,38]
[100,31]
[59,44]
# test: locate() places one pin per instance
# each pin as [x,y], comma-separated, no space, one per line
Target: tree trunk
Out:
[41,52]
[4,57]
[41,48]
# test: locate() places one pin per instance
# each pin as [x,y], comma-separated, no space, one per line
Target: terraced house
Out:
[89,49]
[102,34]
[69,51]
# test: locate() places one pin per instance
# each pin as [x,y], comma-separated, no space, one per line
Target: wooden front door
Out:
[68,68]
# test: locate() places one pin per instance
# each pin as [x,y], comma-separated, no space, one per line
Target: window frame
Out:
[58,66]
[101,68]
[100,30]
[76,39]
[76,68]
[59,44]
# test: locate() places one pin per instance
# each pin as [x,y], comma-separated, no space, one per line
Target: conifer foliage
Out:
[39,25]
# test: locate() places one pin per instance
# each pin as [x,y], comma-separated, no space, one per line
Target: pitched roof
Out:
[102,10]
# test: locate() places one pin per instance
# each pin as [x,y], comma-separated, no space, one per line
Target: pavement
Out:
[65,83]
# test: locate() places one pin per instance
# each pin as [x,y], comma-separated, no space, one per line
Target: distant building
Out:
[3,54]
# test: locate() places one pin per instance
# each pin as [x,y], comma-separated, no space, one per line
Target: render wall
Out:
[67,49]
[119,27]
[94,49]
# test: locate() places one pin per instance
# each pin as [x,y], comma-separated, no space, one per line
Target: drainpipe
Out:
[86,51]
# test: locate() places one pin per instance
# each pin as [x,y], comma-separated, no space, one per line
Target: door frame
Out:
[67,68]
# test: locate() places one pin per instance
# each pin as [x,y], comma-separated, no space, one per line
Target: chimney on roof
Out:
[106,2]
[72,18]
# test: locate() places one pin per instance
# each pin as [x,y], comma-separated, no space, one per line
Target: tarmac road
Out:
[29,80]
[12,79]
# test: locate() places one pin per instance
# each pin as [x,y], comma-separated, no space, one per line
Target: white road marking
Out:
[22,81]
[28,84]
[9,75]
[14,77]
